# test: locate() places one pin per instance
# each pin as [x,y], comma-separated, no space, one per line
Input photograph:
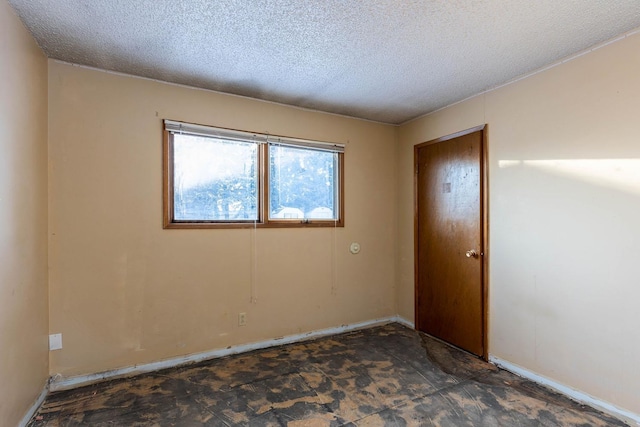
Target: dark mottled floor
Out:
[383,376]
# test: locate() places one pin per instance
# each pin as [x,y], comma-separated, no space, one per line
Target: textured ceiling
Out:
[383,60]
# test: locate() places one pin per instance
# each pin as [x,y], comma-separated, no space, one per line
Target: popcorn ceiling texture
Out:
[383,60]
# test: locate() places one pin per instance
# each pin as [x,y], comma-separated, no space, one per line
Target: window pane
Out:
[214,179]
[302,183]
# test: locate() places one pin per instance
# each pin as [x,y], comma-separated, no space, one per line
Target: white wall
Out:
[564,203]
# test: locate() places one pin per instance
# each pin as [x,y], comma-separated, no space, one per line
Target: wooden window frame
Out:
[263,220]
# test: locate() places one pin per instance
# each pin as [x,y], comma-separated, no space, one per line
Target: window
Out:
[214,179]
[217,177]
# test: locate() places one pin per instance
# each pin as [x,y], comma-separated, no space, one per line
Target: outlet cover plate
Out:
[55,342]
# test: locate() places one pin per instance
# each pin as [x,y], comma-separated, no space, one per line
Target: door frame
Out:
[484,226]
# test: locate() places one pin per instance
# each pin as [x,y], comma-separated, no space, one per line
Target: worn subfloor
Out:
[383,376]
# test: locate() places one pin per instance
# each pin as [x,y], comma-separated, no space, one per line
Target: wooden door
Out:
[450,294]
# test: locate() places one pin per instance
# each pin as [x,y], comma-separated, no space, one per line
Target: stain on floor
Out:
[383,376]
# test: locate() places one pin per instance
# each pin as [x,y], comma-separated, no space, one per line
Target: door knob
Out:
[472,254]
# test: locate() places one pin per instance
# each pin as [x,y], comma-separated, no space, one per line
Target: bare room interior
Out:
[119,308]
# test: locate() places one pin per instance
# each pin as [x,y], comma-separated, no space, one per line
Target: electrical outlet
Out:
[242,319]
[55,342]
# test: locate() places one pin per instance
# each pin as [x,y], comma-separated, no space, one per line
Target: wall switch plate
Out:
[242,319]
[55,342]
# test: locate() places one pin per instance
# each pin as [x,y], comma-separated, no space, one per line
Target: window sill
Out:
[240,225]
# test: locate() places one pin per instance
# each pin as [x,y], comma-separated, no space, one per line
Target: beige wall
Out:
[564,195]
[564,158]
[125,291]
[23,219]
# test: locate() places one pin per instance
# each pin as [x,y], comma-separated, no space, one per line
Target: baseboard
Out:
[59,382]
[34,407]
[405,322]
[581,397]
